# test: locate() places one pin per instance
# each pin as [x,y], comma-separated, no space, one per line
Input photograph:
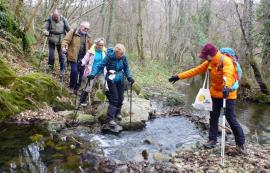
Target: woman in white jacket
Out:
[92,59]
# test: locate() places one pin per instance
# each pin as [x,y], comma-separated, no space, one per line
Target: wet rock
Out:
[140,110]
[161,157]
[134,126]
[145,154]
[147,141]
[67,114]
[102,113]
[54,126]
[86,118]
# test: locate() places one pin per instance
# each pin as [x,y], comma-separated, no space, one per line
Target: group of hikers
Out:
[93,62]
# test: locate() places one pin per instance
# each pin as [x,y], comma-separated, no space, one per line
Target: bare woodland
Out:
[172,31]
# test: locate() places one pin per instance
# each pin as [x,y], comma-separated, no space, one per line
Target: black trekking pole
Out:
[77,83]
[41,53]
[130,108]
[62,72]
[80,101]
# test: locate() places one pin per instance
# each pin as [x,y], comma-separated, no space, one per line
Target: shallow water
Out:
[255,116]
[164,135]
[30,148]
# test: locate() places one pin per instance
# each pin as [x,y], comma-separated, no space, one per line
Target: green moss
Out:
[261,98]
[7,75]
[100,95]
[8,103]
[31,92]
[36,137]
[38,87]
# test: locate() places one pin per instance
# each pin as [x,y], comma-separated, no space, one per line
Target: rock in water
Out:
[115,131]
[145,154]
[134,126]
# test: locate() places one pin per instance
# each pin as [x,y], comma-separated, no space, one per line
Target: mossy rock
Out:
[31,92]
[38,86]
[86,118]
[100,96]
[175,101]
[261,98]
[7,75]
[134,126]
[10,104]
[102,114]
[136,88]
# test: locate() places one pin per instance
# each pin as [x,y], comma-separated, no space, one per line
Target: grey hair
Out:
[121,47]
[98,40]
[85,24]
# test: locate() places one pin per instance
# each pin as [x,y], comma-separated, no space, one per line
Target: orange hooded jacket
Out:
[217,72]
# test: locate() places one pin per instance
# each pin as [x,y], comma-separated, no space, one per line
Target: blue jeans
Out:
[231,119]
[52,47]
[76,74]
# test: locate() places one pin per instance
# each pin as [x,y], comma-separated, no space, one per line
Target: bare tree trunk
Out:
[139,34]
[102,10]
[249,49]
[108,35]
[266,43]
[170,41]
[32,16]
[19,9]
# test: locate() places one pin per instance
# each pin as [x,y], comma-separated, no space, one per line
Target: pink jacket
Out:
[88,60]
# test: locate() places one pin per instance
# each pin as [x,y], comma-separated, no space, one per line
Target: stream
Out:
[31,148]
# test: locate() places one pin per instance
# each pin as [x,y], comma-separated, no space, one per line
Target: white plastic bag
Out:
[203,99]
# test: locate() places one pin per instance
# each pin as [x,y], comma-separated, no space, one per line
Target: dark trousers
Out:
[116,97]
[230,117]
[52,47]
[76,74]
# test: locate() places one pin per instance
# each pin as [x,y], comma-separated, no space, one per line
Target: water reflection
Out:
[253,115]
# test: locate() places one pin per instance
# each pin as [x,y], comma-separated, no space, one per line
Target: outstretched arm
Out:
[101,66]
[194,71]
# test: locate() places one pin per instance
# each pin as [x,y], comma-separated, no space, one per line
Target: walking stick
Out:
[223,132]
[130,110]
[77,83]
[82,94]
[43,48]
[62,72]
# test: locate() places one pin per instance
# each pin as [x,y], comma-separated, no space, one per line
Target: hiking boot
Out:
[84,104]
[83,98]
[242,149]
[210,144]
[75,92]
[112,124]
[118,117]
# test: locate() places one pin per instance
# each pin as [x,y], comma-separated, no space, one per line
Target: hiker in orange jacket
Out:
[222,75]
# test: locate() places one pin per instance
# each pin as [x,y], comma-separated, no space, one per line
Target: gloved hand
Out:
[64,50]
[130,80]
[46,33]
[226,92]
[90,77]
[173,79]
[80,62]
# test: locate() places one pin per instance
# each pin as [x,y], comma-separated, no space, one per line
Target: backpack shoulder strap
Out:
[50,22]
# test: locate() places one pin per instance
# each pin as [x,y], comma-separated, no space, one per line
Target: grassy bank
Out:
[153,74]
